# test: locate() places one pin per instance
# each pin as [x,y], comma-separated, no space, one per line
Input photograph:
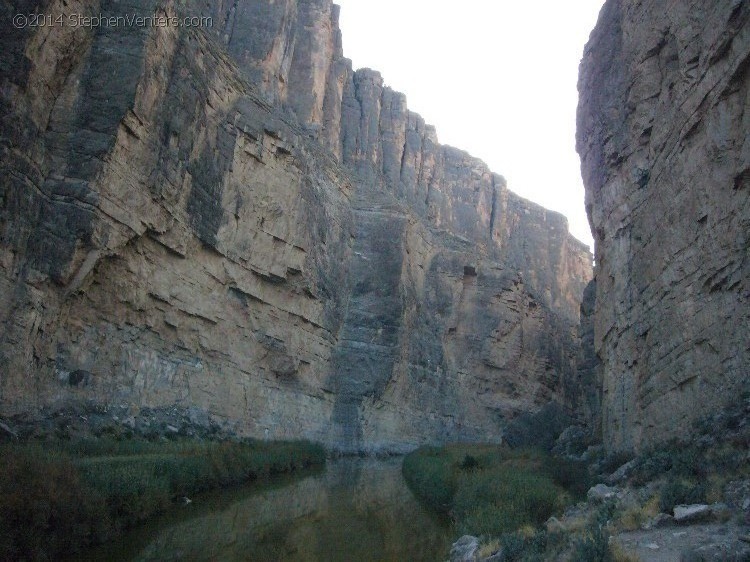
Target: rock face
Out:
[663,127]
[230,222]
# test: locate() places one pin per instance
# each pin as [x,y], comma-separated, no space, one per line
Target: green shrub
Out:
[652,465]
[615,460]
[570,474]
[689,462]
[678,492]
[537,547]
[675,459]
[593,545]
[590,545]
[469,463]
[514,546]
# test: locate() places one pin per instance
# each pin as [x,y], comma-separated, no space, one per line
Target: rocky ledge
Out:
[663,137]
[230,223]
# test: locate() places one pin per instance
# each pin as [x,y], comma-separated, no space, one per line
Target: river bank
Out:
[357,508]
[678,501]
[58,497]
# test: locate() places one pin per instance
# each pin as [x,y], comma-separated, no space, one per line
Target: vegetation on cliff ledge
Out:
[57,498]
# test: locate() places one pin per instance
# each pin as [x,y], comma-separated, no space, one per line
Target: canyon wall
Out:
[663,126]
[227,227]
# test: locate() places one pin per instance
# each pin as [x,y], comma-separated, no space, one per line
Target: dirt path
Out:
[693,543]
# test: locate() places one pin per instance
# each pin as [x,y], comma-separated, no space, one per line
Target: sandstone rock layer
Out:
[663,127]
[230,222]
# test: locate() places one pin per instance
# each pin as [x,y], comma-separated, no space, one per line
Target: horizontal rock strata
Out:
[663,127]
[230,221]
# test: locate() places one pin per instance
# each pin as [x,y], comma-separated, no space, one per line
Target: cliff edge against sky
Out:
[228,227]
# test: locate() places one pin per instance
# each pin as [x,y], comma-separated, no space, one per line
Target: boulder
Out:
[8,431]
[464,549]
[693,512]
[601,492]
[554,525]
[622,473]
[661,520]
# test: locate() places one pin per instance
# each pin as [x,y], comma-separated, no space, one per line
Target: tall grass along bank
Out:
[491,490]
[57,498]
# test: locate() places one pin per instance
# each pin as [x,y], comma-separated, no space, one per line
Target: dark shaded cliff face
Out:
[229,224]
[663,126]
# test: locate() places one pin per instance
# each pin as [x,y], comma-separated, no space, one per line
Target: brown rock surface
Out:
[232,223]
[663,128]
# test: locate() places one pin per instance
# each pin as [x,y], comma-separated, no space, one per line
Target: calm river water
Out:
[356,509]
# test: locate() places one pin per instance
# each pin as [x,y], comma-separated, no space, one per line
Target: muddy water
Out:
[354,510]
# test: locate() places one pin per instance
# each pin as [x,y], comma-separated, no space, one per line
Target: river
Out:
[354,509]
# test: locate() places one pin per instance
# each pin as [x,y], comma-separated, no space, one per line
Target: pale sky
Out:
[496,77]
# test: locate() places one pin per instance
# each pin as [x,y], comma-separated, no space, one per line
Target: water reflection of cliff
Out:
[356,510]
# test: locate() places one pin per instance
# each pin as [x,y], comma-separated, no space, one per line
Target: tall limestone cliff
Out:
[228,226]
[663,134]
